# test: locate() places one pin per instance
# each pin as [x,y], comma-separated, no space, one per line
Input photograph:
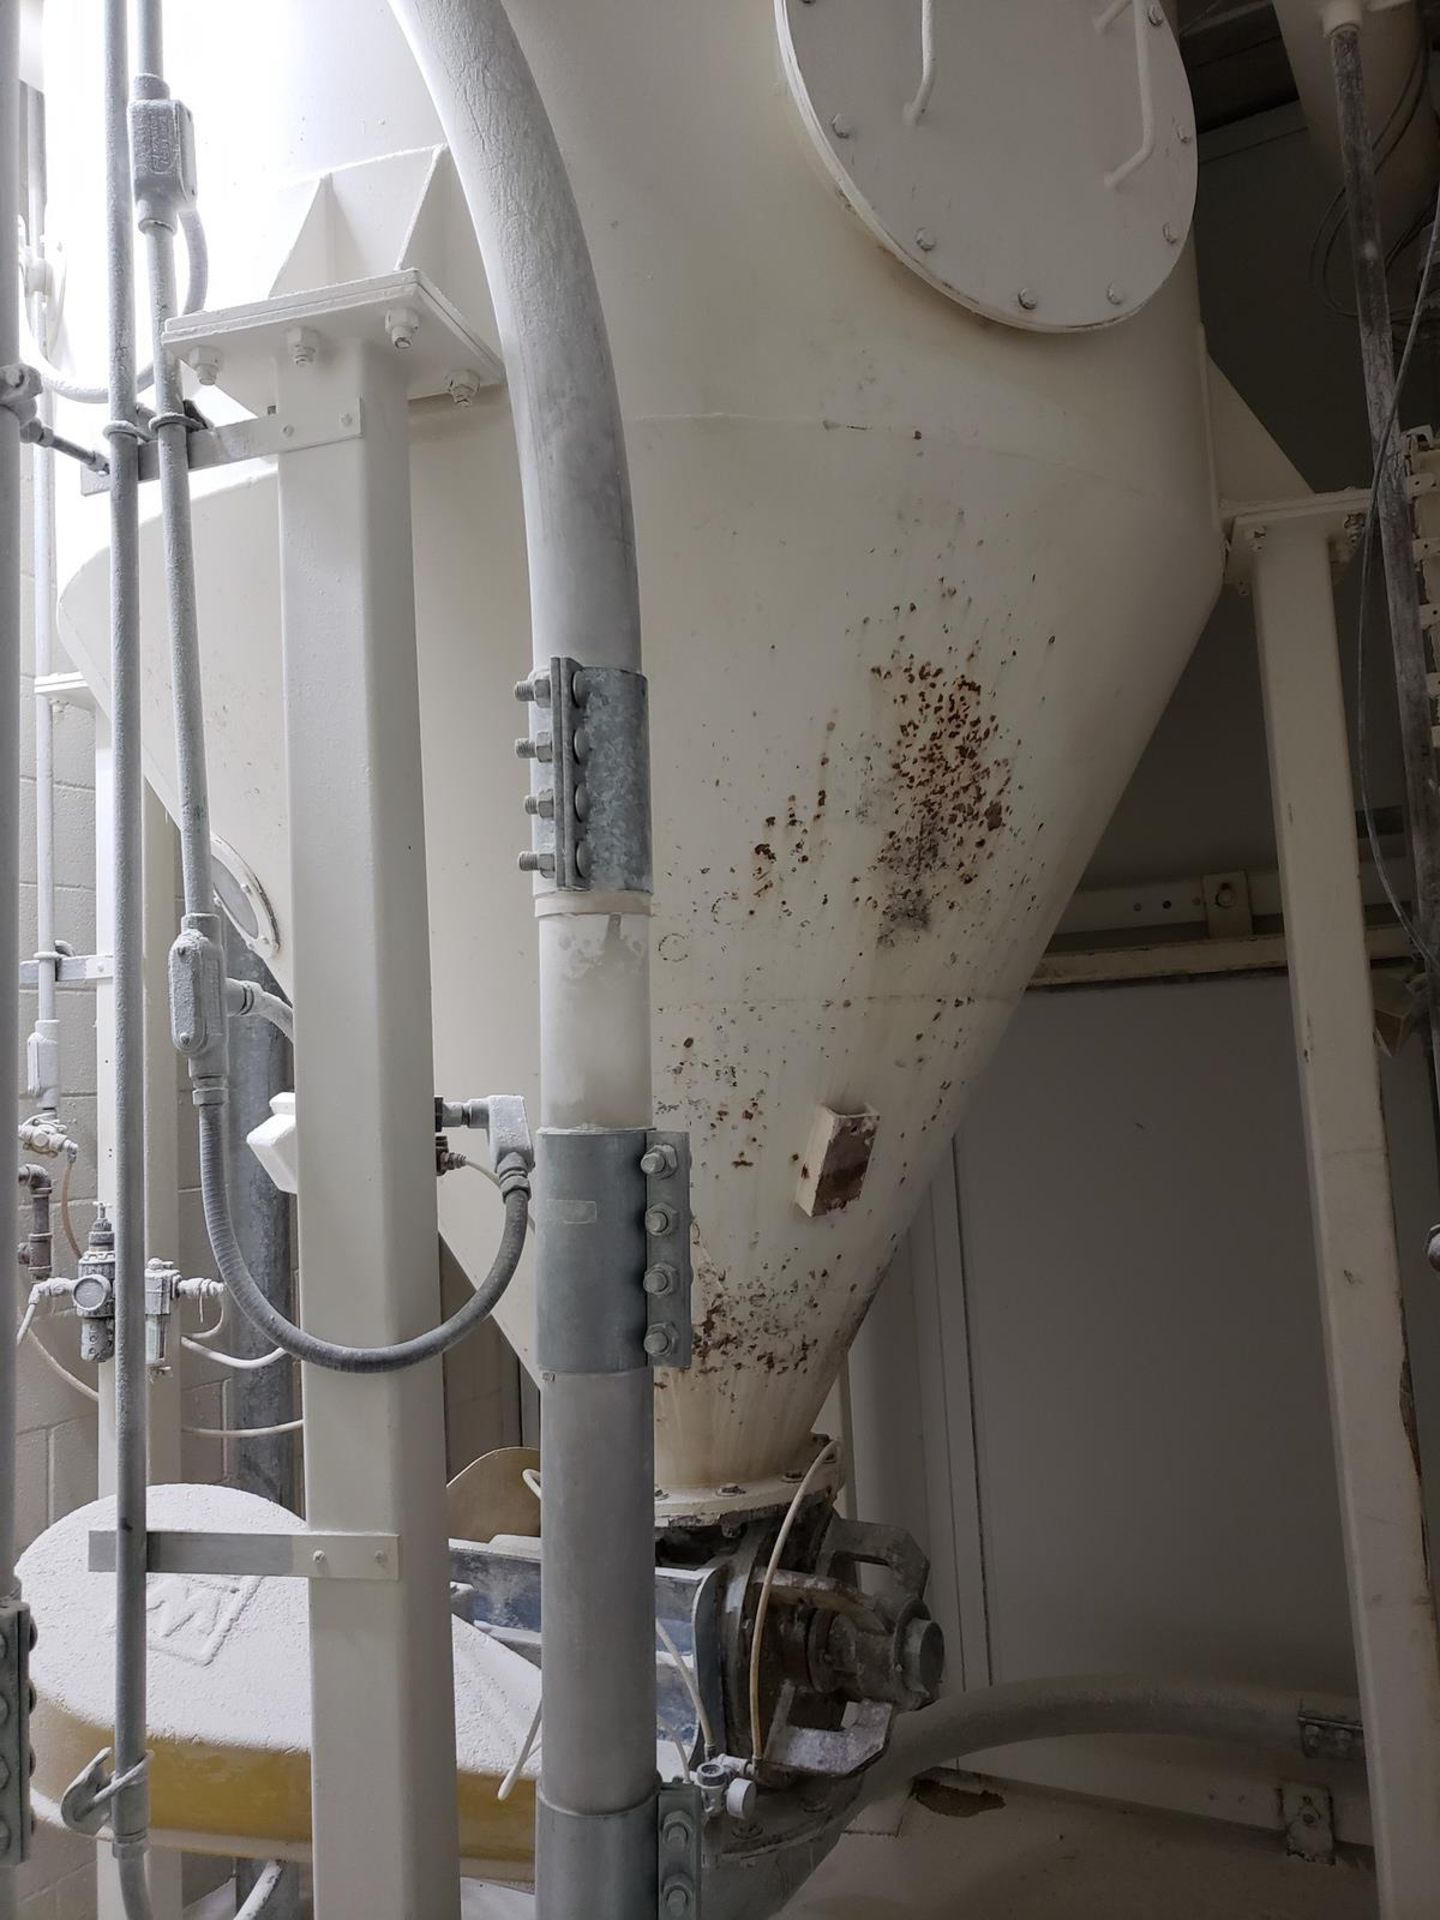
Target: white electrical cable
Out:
[917,106]
[245,1433]
[528,1745]
[237,1362]
[762,1605]
[692,1687]
[55,1366]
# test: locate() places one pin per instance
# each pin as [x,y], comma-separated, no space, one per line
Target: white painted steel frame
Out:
[383,1755]
[1391,1601]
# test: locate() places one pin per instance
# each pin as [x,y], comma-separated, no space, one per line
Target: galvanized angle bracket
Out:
[668,1275]
[590,794]
[680,1832]
[262,437]
[17,1636]
[303,1555]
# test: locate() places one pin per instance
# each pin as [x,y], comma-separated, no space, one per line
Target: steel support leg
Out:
[1391,1603]
[383,1765]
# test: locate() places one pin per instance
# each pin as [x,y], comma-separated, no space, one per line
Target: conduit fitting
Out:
[198,995]
[244,997]
[162,155]
[39,1134]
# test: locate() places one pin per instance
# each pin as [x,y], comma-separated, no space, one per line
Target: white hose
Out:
[69,386]
[237,1362]
[245,1433]
[692,1687]
[762,1605]
[89,1393]
[527,1747]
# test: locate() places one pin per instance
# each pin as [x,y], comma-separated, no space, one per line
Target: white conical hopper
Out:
[916,587]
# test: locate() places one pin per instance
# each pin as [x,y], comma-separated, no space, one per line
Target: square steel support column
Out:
[1391,1602]
[383,1754]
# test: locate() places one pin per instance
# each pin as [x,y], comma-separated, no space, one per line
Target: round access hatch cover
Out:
[1034,159]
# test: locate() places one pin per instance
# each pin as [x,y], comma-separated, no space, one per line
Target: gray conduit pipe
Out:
[1019,1710]
[595,1830]
[130,1807]
[9,785]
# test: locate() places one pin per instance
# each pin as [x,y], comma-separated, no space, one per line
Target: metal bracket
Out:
[1307,1815]
[17,1636]
[680,1827]
[74,970]
[669,1337]
[1323,1737]
[263,437]
[590,797]
[298,1556]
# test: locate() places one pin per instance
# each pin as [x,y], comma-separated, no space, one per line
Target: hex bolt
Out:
[677,1832]
[582,859]
[732,1490]
[1225,894]
[1028,300]
[925,240]
[679,1901]
[1186,135]
[1155,15]
[1115,296]
[463,386]
[659,1220]
[537,863]
[542,803]
[402,324]
[205,364]
[659,1280]
[661,1158]
[658,1341]
[304,345]
[842,126]
[538,747]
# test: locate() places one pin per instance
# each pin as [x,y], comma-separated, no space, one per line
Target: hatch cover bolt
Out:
[1028,300]
[925,240]
[1115,296]
[1170,234]
[842,126]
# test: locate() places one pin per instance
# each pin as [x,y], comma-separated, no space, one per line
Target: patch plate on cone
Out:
[1047,177]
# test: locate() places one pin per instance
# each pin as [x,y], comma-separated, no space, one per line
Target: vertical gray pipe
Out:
[1391,508]
[42,523]
[130,1811]
[260,1067]
[595,1837]
[9,769]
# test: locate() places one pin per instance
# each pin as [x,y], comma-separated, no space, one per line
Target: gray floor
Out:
[1033,1857]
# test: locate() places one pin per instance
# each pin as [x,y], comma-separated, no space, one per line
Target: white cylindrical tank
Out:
[916,587]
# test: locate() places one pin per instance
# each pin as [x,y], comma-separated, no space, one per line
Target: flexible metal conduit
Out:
[130,1807]
[1022,1710]
[215,1190]
[9,784]
[595,1833]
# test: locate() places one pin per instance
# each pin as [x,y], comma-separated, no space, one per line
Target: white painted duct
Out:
[915,589]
